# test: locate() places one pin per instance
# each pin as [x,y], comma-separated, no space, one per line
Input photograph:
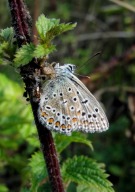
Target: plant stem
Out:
[21,22]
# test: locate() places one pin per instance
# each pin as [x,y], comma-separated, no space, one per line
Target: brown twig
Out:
[35,16]
[20,21]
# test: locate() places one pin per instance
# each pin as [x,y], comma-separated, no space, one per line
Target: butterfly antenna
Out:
[98,53]
[82,75]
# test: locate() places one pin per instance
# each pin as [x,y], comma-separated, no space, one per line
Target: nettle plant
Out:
[86,173]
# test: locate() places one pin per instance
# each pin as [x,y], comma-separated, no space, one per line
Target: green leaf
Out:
[3,46]
[57,30]
[66,27]
[7,34]
[15,118]
[39,172]
[24,55]
[44,24]
[33,140]
[7,47]
[37,163]
[86,171]
[84,188]
[48,29]
[63,141]
[3,188]
[43,50]
[25,190]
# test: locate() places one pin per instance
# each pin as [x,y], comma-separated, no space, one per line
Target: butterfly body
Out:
[66,105]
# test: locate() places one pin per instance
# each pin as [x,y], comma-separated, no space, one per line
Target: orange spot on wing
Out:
[91,123]
[44,114]
[68,126]
[74,120]
[51,120]
[63,126]
[57,124]
[78,112]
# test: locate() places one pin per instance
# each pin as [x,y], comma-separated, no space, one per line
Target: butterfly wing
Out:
[58,105]
[67,105]
[93,118]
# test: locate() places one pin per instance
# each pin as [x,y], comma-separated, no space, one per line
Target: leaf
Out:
[3,188]
[84,188]
[7,46]
[25,190]
[33,140]
[66,27]
[48,29]
[39,172]
[57,30]
[7,34]
[44,24]
[63,141]
[24,55]
[86,171]
[42,50]
[3,46]
[37,163]
[16,119]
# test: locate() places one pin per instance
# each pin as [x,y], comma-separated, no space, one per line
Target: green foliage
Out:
[80,169]
[3,188]
[42,49]
[38,171]
[48,29]
[7,34]
[86,171]
[18,133]
[16,124]
[63,142]
[7,46]
[11,125]
[24,55]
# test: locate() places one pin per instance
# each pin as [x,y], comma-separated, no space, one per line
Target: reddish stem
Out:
[20,22]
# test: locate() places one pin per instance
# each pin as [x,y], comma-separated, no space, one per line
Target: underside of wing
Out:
[66,105]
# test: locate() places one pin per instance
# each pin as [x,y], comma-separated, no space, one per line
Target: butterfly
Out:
[66,105]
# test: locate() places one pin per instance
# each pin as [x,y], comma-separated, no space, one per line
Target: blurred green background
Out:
[105,26]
